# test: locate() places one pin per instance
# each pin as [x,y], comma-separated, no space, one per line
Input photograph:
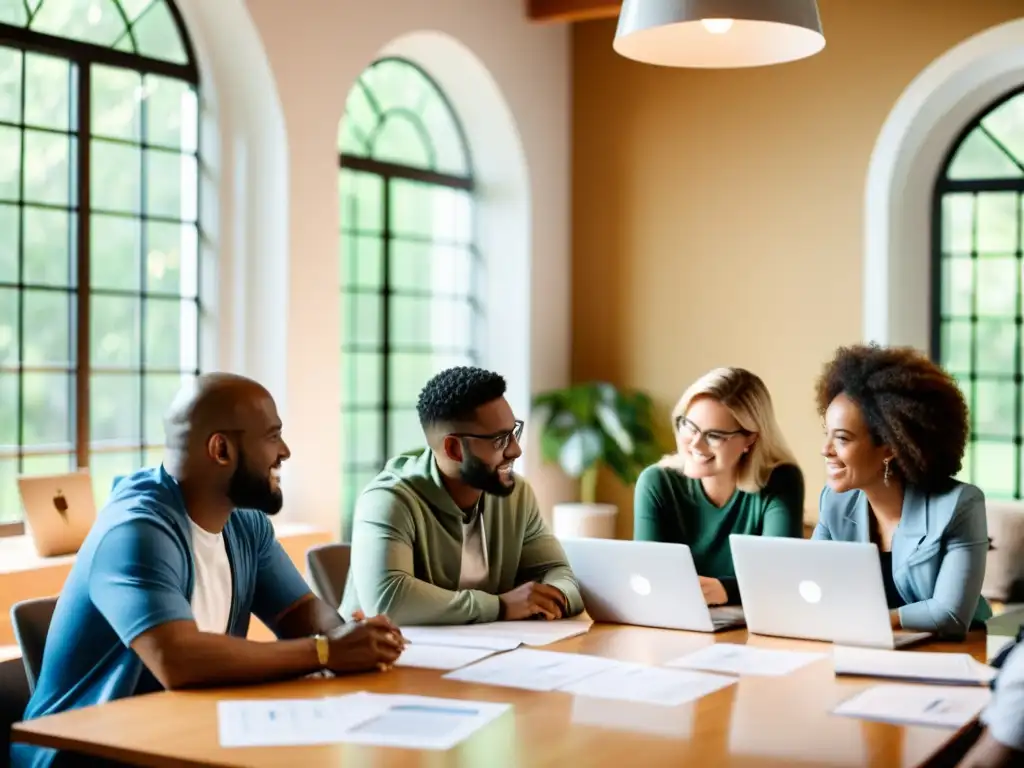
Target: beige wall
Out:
[275,77]
[718,215]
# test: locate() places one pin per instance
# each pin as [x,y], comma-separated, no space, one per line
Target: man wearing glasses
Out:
[451,535]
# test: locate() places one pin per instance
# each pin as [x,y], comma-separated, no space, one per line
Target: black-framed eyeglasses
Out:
[713,437]
[500,439]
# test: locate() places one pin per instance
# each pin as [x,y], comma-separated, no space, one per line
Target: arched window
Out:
[410,275]
[977,289]
[99,235]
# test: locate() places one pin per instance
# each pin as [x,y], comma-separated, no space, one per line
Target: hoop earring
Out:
[885,477]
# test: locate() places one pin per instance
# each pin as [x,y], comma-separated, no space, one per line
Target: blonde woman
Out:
[732,473]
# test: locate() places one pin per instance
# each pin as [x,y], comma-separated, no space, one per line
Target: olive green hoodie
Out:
[407,549]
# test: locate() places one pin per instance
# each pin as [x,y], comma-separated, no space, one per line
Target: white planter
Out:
[590,521]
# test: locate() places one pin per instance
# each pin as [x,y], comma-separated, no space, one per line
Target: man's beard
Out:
[476,474]
[248,490]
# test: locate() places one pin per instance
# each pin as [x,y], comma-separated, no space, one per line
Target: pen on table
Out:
[932,704]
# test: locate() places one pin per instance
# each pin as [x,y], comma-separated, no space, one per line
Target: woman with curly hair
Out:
[895,431]
[732,473]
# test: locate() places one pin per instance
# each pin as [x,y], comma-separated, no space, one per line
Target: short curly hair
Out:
[454,394]
[909,403]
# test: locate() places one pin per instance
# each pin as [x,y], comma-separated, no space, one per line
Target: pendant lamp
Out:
[718,34]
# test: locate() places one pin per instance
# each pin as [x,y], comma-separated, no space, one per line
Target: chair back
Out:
[328,570]
[30,620]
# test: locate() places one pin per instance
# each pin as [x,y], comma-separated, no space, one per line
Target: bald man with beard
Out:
[162,589]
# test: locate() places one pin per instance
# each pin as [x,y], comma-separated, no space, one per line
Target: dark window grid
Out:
[938,317]
[385,407]
[79,105]
[412,293]
[8,452]
[118,293]
[135,215]
[980,318]
[99,369]
[381,116]
[30,14]
[983,255]
[980,185]
[400,113]
[995,378]
[84,52]
[80,56]
[1002,147]
[389,171]
[396,171]
[403,237]
[119,140]
[405,349]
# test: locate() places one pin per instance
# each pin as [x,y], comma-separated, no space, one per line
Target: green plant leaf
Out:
[580,451]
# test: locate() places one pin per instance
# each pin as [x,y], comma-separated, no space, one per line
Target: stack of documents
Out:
[451,647]
[938,706]
[733,659]
[411,722]
[591,676]
[920,666]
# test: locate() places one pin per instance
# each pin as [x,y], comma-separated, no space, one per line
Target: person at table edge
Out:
[896,428]
[449,534]
[163,586]
[732,473]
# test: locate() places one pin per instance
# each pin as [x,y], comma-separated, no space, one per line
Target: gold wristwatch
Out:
[323,649]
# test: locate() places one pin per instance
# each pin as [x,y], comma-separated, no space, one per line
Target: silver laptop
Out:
[650,584]
[815,590]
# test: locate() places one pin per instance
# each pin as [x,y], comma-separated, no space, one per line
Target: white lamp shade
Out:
[719,34]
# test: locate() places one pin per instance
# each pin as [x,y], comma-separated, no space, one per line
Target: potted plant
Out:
[584,427]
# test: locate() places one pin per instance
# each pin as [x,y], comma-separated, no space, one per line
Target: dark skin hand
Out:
[989,753]
[532,599]
[180,656]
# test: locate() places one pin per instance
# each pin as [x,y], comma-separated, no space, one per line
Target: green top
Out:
[407,549]
[668,506]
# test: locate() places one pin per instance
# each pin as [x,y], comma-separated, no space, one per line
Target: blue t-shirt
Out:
[134,572]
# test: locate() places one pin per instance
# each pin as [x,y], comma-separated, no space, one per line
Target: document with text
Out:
[410,722]
[446,657]
[734,659]
[939,706]
[921,666]
[532,670]
[649,685]
[499,635]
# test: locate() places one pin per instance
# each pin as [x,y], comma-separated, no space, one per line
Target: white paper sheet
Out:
[921,666]
[941,706]
[733,659]
[271,723]
[455,637]
[532,670]
[445,657]
[649,685]
[412,722]
[499,635]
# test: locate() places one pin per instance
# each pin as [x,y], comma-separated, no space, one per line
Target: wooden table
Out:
[761,721]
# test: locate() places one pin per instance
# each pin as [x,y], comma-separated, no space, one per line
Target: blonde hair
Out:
[747,398]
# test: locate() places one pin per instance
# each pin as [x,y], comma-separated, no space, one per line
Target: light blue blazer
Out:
[939,552]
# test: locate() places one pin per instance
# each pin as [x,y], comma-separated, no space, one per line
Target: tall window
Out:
[410,274]
[977,289]
[99,293]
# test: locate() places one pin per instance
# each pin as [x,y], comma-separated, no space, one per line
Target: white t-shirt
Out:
[474,554]
[211,599]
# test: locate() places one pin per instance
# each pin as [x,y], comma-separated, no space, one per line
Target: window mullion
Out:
[83,361]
